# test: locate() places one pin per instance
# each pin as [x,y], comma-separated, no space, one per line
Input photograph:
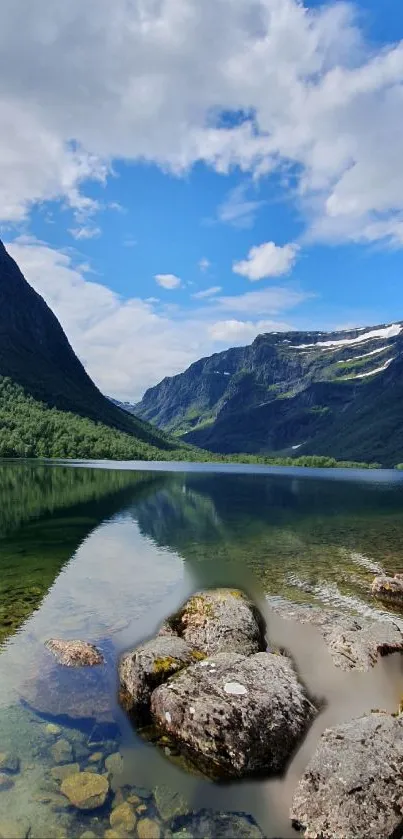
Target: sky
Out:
[178,176]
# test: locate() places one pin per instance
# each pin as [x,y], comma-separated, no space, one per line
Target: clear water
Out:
[104,552]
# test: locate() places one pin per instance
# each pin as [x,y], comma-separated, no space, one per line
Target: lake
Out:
[105,551]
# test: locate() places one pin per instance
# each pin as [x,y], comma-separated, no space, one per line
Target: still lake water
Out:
[104,552]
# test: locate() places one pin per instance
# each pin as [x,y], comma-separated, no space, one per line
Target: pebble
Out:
[85,790]
[96,757]
[59,773]
[51,728]
[9,762]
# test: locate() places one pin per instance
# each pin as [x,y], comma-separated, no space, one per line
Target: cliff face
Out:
[337,393]
[35,353]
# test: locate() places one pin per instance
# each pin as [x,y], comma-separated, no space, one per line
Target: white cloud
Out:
[207,292]
[84,83]
[204,264]
[168,281]
[267,260]
[86,232]
[129,345]
[237,209]
[227,331]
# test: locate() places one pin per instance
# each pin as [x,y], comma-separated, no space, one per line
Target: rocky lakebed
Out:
[224,697]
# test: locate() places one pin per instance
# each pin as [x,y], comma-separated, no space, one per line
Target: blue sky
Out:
[177,177]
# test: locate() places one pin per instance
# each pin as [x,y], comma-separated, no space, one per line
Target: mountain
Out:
[323,393]
[38,365]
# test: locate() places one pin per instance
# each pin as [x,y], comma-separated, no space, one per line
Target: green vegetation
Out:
[32,429]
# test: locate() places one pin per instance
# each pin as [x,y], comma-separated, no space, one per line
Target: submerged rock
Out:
[75,653]
[206,824]
[147,666]
[238,715]
[123,817]
[148,829]
[62,751]
[85,790]
[5,782]
[221,620]
[9,762]
[353,785]
[389,589]
[59,773]
[354,643]
[169,803]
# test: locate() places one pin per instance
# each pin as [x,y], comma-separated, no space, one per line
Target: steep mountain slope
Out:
[35,353]
[336,394]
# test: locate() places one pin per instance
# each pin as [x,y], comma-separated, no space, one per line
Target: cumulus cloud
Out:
[168,281]
[207,292]
[87,82]
[129,345]
[267,260]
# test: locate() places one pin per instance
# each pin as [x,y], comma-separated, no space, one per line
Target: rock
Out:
[148,829]
[14,829]
[118,798]
[114,764]
[59,773]
[75,653]
[238,715]
[76,693]
[88,834]
[123,817]
[96,757]
[166,629]
[53,729]
[114,833]
[353,785]
[85,790]
[62,751]
[207,824]
[9,763]
[169,803]
[134,799]
[144,668]
[389,589]
[221,620]
[5,782]
[354,643]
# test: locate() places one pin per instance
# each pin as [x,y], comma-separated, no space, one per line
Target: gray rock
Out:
[59,773]
[144,668]
[75,653]
[237,715]
[62,751]
[221,620]
[389,589]
[354,643]
[5,782]
[353,785]
[9,762]
[169,803]
[206,824]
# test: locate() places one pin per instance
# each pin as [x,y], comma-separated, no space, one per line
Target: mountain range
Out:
[292,393]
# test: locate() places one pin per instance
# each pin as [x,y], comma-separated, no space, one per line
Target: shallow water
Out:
[105,552]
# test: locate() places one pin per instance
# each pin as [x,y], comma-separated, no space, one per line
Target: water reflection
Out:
[116,551]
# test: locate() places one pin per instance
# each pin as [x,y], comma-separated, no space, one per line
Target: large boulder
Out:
[354,643]
[353,786]
[221,620]
[389,589]
[75,653]
[238,716]
[141,670]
